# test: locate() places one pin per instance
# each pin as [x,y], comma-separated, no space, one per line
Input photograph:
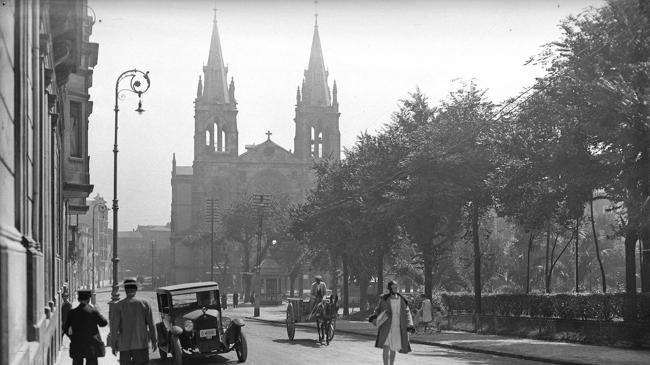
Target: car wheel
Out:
[241,348]
[177,351]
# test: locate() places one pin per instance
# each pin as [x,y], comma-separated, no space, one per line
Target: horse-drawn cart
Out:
[324,314]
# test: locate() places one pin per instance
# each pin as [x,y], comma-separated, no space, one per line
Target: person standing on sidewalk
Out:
[392,334]
[235,299]
[133,327]
[426,312]
[224,300]
[66,307]
[81,326]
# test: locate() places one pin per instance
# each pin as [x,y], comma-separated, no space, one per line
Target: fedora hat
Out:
[84,294]
[318,277]
[130,283]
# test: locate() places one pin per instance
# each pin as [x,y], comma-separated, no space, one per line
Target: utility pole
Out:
[152,271]
[261,201]
[211,216]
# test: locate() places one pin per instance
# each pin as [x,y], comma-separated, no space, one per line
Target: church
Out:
[220,172]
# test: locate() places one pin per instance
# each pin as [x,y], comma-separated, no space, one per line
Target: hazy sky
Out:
[378,52]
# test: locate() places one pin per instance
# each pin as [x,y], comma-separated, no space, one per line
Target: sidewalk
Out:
[545,351]
[103,297]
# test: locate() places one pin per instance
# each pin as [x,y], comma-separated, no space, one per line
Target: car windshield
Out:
[198,299]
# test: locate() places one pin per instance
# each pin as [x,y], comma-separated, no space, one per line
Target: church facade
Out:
[220,173]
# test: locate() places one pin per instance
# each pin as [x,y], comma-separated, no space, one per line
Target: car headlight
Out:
[188,326]
[225,322]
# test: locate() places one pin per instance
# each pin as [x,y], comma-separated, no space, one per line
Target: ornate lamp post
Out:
[139,84]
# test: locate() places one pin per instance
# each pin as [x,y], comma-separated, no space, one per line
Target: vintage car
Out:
[192,326]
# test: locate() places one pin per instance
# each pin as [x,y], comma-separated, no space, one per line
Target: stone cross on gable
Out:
[268,135]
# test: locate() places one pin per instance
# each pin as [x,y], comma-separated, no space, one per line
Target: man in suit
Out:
[81,327]
[133,327]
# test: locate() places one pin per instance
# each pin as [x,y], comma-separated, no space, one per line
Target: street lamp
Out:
[102,209]
[138,83]
[261,204]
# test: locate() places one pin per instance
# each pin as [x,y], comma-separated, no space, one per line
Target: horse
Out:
[325,313]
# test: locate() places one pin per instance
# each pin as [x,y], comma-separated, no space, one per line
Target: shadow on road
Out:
[301,342]
[467,357]
[210,361]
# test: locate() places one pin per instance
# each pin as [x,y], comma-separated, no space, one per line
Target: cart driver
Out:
[318,290]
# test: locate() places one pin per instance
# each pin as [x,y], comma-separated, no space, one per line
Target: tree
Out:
[241,225]
[454,158]
[600,69]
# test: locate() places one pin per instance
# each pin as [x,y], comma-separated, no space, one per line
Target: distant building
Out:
[101,247]
[46,68]
[220,172]
[145,252]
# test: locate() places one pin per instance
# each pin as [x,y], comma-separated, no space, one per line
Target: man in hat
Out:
[66,306]
[318,291]
[81,326]
[133,327]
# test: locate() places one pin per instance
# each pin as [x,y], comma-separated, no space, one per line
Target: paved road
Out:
[268,345]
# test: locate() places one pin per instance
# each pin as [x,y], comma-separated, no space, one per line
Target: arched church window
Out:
[221,138]
[316,143]
[208,138]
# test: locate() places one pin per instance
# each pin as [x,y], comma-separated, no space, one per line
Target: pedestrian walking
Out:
[66,307]
[132,327]
[235,299]
[426,312]
[393,319]
[224,300]
[81,326]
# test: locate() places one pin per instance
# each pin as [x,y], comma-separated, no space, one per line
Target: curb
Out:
[444,345]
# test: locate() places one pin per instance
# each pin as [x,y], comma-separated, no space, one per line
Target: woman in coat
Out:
[392,334]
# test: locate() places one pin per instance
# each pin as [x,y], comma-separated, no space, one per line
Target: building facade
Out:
[92,242]
[220,173]
[46,63]
[145,253]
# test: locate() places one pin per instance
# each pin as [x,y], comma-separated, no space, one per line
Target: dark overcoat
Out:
[406,321]
[85,341]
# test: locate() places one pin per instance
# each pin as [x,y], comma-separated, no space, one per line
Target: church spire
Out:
[315,90]
[199,88]
[216,83]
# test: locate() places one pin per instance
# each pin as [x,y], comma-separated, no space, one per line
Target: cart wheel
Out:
[330,331]
[291,322]
[163,354]
[177,352]
[241,348]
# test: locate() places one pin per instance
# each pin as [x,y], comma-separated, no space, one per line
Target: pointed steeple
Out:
[298,96]
[315,91]
[231,90]
[216,84]
[174,164]
[199,88]
[335,100]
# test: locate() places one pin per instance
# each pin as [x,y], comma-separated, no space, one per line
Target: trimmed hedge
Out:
[563,306]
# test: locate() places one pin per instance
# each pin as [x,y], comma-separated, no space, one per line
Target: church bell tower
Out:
[215,107]
[317,110]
